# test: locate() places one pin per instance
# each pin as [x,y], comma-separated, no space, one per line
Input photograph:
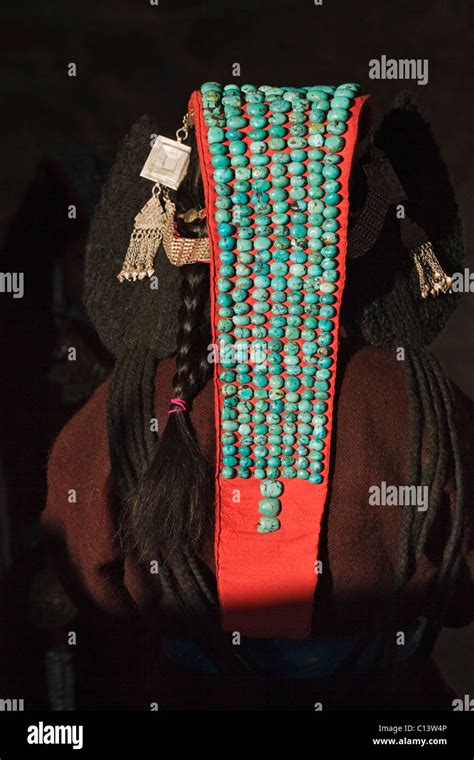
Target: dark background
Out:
[134,57]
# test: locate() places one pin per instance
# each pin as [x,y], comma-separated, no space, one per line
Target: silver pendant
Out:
[167,162]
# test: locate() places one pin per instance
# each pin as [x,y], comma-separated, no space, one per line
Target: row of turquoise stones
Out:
[287,127]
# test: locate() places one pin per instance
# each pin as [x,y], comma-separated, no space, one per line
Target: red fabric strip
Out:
[266,582]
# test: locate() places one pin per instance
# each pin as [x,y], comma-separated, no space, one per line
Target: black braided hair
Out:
[168,525]
[169,507]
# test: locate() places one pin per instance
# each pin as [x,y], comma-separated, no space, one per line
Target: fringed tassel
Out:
[145,240]
[433,279]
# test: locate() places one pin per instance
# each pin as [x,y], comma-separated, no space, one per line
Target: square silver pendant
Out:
[167,162]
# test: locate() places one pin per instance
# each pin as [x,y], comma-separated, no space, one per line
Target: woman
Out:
[325,593]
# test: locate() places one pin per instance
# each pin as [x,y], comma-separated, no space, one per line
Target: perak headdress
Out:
[276,168]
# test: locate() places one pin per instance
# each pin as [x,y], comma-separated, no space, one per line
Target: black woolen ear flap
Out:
[382,299]
[128,314]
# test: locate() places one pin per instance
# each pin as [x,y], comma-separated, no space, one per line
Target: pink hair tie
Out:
[180,403]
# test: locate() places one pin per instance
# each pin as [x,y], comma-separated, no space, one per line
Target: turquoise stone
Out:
[327,287]
[227,412]
[215,134]
[298,193]
[296,167]
[280,105]
[257,109]
[224,325]
[280,182]
[326,298]
[269,507]
[302,463]
[258,146]
[334,143]
[326,325]
[222,215]
[325,361]
[225,229]
[239,161]
[223,175]
[331,186]
[315,167]
[226,270]
[280,218]
[220,161]
[240,199]
[234,134]
[257,134]
[320,419]
[278,194]
[236,122]
[337,128]
[323,374]
[222,202]
[280,208]
[331,172]
[337,114]
[261,185]
[268,524]
[316,140]
[224,285]
[277,118]
[276,143]
[241,186]
[298,155]
[298,130]
[325,339]
[278,170]
[259,172]
[298,230]
[277,130]
[292,383]
[227,243]
[207,86]
[228,472]
[320,432]
[271,488]
[340,101]
[333,199]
